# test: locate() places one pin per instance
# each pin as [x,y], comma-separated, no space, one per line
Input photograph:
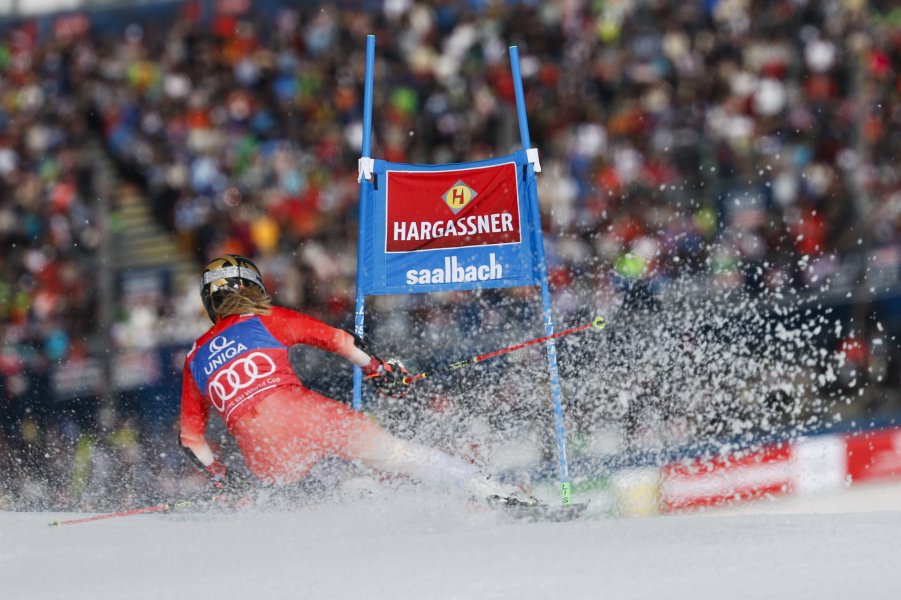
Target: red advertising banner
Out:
[430,210]
[719,481]
[874,455]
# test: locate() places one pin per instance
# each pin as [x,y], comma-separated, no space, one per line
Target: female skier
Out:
[240,368]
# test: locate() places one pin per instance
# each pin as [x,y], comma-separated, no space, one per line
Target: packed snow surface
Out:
[843,546]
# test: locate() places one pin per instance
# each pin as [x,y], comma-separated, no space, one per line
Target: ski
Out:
[544,512]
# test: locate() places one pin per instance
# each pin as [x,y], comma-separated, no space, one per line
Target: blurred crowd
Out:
[751,143]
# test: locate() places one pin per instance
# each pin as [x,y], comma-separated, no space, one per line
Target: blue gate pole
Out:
[360,307]
[538,253]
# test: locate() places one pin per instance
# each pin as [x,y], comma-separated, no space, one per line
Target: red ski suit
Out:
[240,367]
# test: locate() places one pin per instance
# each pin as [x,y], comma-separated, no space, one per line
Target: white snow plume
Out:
[700,369]
[690,369]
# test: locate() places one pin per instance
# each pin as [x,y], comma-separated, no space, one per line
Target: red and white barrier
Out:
[825,463]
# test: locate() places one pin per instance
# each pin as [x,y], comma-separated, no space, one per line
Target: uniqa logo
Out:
[239,375]
[222,350]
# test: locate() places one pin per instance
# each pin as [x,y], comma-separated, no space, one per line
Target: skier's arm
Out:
[294,328]
[195,414]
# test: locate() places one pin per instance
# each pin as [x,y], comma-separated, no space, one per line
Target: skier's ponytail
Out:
[250,299]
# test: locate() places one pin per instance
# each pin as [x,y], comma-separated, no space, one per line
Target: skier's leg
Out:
[376,448]
[290,430]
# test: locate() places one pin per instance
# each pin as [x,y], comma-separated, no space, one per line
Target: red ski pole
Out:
[159,508]
[597,323]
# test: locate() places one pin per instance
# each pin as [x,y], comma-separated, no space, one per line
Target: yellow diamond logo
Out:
[459,196]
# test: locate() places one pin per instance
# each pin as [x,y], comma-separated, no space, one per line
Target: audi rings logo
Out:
[240,374]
